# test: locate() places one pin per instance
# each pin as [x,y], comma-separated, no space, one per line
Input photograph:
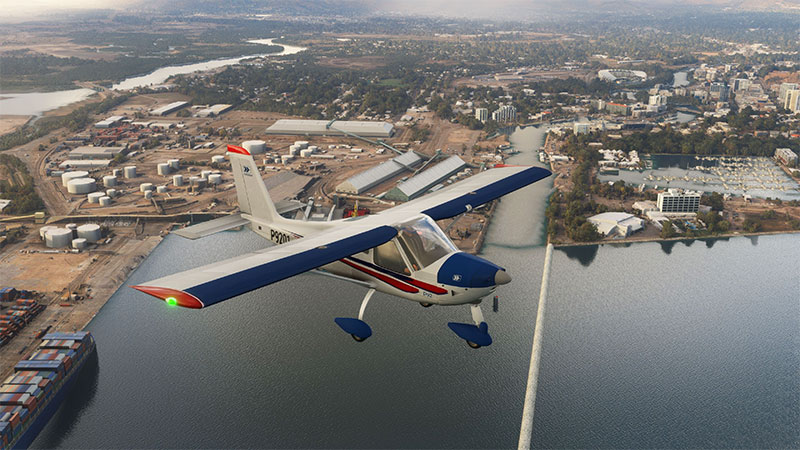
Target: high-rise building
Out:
[786,156]
[506,113]
[678,201]
[657,100]
[784,89]
[719,91]
[741,84]
[792,102]
[482,114]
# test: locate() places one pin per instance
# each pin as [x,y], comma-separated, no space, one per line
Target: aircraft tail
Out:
[250,189]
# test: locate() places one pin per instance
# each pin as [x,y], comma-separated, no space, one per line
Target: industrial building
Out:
[786,156]
[213,111]
[328,128]
[622,76]
[678,201]
[619,223]
[109,122]
[420,184]
[380,173]
[88,152]
[172,107]
[85,164]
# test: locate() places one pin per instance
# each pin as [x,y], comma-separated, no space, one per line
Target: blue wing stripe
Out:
[487,193]
[238,283]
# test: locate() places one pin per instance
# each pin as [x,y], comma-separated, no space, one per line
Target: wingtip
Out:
[172,296]
[237,149]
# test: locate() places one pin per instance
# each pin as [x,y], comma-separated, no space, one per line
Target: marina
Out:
[753,176]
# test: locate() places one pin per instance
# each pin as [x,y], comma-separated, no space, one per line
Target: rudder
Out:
[252,194]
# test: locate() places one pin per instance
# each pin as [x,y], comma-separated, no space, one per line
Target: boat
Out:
[33,393]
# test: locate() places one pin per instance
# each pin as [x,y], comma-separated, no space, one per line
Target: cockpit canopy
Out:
[421,243]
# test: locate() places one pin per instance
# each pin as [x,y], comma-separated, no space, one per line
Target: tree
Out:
[666,230]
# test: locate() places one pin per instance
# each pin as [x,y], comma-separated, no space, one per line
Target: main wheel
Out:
[426,305]
[358,339]
[473,345]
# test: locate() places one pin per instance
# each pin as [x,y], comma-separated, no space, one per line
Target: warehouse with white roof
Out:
[619,223]
[337,128]
[380,173]
[421,183]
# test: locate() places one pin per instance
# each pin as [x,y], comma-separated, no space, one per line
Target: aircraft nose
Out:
[501,277]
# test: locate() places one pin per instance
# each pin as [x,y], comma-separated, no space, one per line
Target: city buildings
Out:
[786,156]
[792,102]
[482,114]
[506,113]
[678,201]
[784,89]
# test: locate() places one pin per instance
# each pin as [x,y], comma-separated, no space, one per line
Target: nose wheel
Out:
[357,328]
[477,335]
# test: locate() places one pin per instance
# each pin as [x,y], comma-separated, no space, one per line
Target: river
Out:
[647,345]
[37,103]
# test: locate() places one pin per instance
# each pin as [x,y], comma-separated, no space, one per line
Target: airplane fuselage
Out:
[426,285]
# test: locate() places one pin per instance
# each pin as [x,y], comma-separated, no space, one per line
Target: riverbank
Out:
[635,240]
[95,275]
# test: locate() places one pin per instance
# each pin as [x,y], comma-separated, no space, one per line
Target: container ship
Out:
[30,396]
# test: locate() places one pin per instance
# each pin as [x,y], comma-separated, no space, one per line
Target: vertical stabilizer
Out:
[250,189]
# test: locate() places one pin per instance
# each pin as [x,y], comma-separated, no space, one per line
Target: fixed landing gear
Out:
[426,305]
[357,328]
[477,335]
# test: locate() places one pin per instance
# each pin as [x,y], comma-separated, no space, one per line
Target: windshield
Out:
[424,242]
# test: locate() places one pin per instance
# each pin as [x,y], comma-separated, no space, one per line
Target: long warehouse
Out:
[337,128]
[380,173]
[419,184]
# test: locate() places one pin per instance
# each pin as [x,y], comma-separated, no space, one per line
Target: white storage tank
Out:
[256,147]
[306,153]
[163,169]
[90,232]
[145,187]
[74,228]
[81,186]
[174,164]
[105,200]
[215,178]
[67,176]
[294,150]
[217,159]
[286,159]
[205,173]
[313,148]
[109,181]
[148,195]
[177,180]
[117,173]
[43,231]
[94,197]
[111,193]
[58,238]
[79,243]
[130,171]
[161,189]
[302,144]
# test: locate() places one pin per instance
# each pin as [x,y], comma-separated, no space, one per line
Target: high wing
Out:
[472,192]
[207,285]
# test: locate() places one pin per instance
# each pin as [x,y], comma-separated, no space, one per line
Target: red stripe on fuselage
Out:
[390,281]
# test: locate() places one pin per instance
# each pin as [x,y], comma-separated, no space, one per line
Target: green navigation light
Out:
[172,301]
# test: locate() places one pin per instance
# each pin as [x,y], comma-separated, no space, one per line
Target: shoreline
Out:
[679,238]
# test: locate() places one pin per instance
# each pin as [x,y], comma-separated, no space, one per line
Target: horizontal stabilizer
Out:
[212,226]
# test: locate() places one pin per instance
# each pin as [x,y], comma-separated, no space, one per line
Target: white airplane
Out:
[400,251]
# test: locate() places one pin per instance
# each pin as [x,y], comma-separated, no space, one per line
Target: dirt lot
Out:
[9,123]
